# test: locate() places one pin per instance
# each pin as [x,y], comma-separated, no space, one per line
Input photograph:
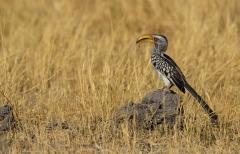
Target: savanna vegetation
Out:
[77,62]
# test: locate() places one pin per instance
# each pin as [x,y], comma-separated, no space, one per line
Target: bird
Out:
[169,71]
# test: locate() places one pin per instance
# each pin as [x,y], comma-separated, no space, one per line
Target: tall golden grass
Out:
[77,61]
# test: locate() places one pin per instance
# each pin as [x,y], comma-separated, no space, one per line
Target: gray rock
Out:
[54,124]
[7,120]
[157,108]
[51,125]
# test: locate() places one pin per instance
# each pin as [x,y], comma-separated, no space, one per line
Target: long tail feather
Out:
[205,106]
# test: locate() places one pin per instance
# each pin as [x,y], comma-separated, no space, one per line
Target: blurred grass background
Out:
[77,61]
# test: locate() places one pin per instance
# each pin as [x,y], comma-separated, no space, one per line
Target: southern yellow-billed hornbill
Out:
[168,70]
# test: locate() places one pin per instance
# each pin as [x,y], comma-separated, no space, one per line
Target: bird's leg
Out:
[167,87]
[170,87]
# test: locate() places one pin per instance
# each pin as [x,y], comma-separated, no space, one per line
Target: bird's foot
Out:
[164,88]
[167,89]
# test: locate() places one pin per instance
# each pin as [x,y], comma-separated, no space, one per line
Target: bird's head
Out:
[160,41]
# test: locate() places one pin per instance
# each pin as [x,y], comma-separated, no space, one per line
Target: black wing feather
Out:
[177,76]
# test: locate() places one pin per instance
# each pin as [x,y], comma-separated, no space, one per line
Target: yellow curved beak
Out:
[146,38]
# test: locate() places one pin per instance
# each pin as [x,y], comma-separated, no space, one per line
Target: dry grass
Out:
[77,61]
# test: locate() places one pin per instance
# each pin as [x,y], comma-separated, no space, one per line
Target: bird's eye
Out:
[155,39]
